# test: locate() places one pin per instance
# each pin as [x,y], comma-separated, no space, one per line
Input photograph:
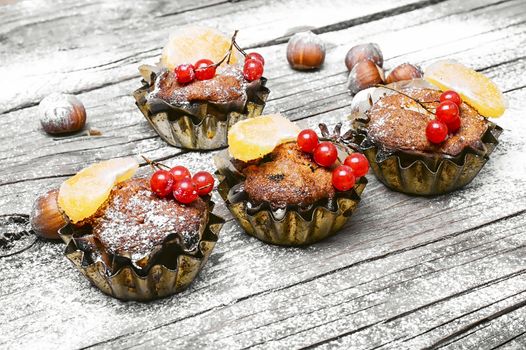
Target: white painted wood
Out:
[406,272]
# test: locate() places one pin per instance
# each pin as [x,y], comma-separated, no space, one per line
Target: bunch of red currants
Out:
[205,69]
[447,117]
[179,182]
[325,154]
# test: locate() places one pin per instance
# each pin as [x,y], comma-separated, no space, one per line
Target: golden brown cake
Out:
[135,220]
[288,176]
[398,123]
[135,223]
[227,85]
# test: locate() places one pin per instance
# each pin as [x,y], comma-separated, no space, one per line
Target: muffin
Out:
[138,243]
[202,85]
[395,127]
[286,196]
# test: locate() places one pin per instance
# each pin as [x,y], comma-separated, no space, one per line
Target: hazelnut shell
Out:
[405,71]
[364,52]
[305,51]
[46,218]
[62,113]
[364,75]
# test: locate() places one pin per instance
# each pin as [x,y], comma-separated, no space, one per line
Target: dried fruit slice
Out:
[253,138]
[190,44]
[475,88]
[81,195]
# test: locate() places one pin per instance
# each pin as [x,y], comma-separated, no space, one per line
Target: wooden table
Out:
[406,272]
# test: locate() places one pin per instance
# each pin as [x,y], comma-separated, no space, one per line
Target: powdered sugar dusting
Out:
[136,221]
[227,85]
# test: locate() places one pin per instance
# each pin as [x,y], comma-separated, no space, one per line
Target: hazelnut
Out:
[46,218]
[364,52]
[364,75]
[305,51]
[61,113]
[405,71]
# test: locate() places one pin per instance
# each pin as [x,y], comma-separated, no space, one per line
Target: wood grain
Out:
[405,273]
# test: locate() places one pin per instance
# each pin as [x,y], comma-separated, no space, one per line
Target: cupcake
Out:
[138,238]
[203,84]
[422,140]
[284,185]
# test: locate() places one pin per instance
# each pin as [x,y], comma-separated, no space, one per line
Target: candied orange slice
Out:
[81,195]
[255,137]
[192,43]
[475,88]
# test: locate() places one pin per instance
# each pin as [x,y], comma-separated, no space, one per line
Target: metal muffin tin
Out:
[290,226]
[130,282]
[418,173]
[199,125]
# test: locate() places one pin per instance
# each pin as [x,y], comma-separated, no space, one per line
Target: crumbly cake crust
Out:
[135,221]
[399,123]
[287,176]
[227,85]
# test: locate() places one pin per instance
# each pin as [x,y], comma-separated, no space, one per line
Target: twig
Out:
[154,164]
[406,95]
[231,45]
[240,49]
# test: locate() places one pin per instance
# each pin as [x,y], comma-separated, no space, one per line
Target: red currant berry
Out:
[325,154]
[162,183]
[253,70]
[358,163]
[436,131]
[307,140]
[255,56]
[185,191]
[343,178]
[204,182]
[454,125]
[185,73]
[447,112]
[204,69]
[179,173]
[452,96]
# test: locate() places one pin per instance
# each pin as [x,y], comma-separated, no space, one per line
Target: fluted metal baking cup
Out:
[419,173]
[291,226]
[158,282]
[200,125]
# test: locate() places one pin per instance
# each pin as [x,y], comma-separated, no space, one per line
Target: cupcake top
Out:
[227,85]
[398,122]
[140,219]
[134,220]
[287,176]
[282,165]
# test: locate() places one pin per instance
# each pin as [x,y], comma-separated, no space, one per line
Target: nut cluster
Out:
[365,65]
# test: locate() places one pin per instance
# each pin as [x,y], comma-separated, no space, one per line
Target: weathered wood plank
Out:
[375,236]
[503,328]
[405,273]
[38,73]
[374,302]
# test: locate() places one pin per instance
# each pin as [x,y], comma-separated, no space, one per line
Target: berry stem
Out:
[239,48]
[155,165]
[229,52]
[421,103]
[232,43]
